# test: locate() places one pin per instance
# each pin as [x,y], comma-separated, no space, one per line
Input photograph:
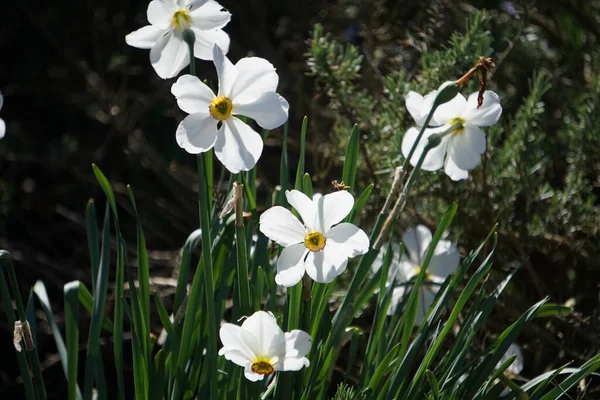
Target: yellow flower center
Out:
[428,276]
[262,367]
[220,108]
[181,19]
[459,125]
[315,241]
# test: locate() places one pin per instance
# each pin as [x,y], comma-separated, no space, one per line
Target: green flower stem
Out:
[6,258]
[32,355]
[433,141]
[207,270]
[240,244]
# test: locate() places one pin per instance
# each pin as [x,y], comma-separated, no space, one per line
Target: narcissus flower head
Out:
[245,89]
[261,347]
[460,150]
[319,245]
[444,262]
[168,19]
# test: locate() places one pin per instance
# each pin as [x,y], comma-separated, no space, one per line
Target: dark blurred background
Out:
[76,94]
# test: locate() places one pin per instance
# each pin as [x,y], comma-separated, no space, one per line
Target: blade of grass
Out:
[93,346]
[71,296]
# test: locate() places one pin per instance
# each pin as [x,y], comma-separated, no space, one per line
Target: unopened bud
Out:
[446,92]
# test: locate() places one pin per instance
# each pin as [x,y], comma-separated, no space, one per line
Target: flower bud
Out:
[446,92]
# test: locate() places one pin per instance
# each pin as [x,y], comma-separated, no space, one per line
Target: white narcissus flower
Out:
[517,365]
[444,262]
[246,88]
[461,150]
[2,124]
[169,53]
[314,246]
[261,347]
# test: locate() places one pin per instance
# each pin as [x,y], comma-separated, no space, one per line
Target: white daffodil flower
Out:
[169,53]
[444,262]
[315,246]
[461,150]
[2,124]
[246,88]
[261,347]
[517,365]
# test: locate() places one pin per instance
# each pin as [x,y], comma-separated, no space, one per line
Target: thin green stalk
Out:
[240,245]
[32,354]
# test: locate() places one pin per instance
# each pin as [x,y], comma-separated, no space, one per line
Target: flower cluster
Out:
[460,150]
[319,243]
[247,88]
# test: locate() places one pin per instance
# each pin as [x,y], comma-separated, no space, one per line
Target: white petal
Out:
[419,106]
[235,356]
[426,297]
[416,241]
[397,294]
[290,265]
[281,226]
[263,326]
[445,260]
[2,128]
[517,366]
[325,265]
[297,343]
[226,71]
[205,41]
[197,133]
[238,146]
[270,110]
[255,76]
[192,95]
[353,239]
[406,269]
[251,375]
[145,37]
[414,105]
[452,109]
[455,173]
[378,263]
[434,160]
[466,148]
[234,348]
[305,206]
[294,364]
[488,114]
[169,55]
[210,15]
[332,209]
[1,101]
[160,13]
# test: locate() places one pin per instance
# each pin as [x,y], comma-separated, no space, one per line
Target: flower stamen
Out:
[315,241]
[181,19]
[262,367]
[428,276]
[220,108]
[458,124]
